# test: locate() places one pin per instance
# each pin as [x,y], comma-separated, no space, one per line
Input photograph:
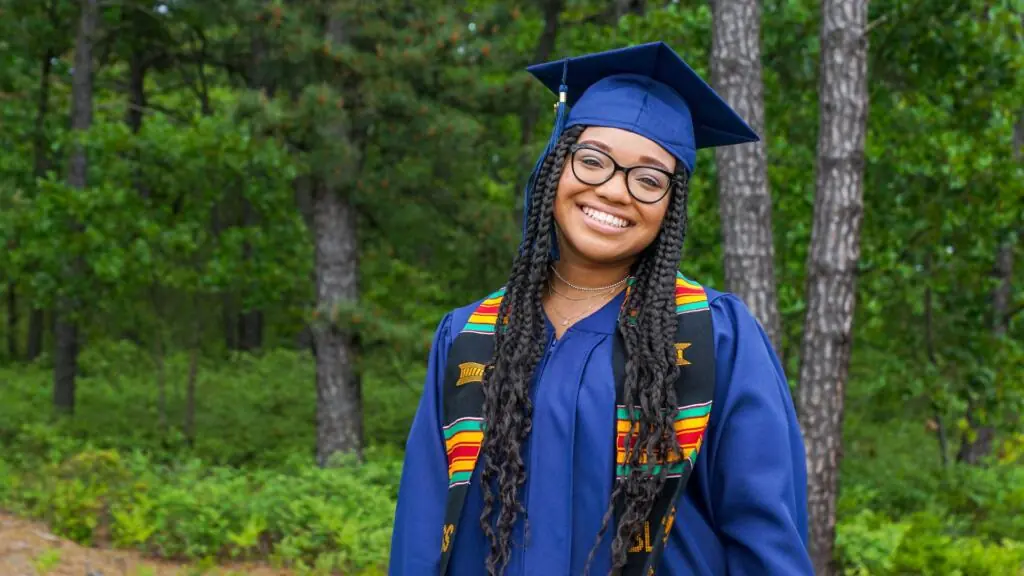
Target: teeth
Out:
[605,218]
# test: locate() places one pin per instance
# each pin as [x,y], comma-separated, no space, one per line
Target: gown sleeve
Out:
[419,515]
[758,470]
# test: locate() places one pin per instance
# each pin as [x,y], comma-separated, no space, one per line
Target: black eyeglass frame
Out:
[672,178]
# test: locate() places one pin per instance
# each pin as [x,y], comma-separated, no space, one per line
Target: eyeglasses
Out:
[594,167]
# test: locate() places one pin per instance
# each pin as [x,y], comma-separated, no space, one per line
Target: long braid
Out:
[650,374]
[518,349]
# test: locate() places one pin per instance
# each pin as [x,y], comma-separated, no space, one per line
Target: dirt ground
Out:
[28,549]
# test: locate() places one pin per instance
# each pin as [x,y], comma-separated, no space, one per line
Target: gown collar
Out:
[604,320]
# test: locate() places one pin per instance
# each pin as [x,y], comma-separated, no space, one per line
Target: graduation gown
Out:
[744,509]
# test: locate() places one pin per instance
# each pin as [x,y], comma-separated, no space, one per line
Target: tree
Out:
[832,261]
[745,202]
[65,366]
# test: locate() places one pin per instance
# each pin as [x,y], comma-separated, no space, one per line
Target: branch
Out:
[874,24]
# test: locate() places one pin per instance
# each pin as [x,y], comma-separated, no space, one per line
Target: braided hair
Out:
[648,334]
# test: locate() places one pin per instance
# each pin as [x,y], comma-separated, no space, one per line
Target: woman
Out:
[705,475]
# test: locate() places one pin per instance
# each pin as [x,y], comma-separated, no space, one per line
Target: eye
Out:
[650,179]
[591,160]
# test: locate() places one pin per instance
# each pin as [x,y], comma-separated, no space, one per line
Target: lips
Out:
[605,218]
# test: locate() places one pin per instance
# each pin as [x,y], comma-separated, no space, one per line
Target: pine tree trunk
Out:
[36,321]
[832,262]
[40,151]
[339,398]
[250,322]
[65,365]
[745,201]
[624,7]
[542,53]
[339,394]
[12,320]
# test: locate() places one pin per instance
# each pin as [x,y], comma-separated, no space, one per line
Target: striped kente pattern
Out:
[690,296]
[690,424]
[462,440]
[485,316]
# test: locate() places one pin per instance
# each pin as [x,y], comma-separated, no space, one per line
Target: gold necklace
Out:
[552,290]
[585,289]
[566,320]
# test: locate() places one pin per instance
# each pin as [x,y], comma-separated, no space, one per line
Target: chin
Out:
[599,251]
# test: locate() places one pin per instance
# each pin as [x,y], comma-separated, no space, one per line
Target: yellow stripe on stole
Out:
[690,298]
[463,438]
[688,424]
[462,465]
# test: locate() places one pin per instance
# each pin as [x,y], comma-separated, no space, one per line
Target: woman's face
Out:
[604,224]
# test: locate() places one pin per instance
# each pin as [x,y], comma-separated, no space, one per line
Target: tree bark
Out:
[624,7]
[36,322]
[929,344]
[832,262]
[40,152]
[542,53]
[250,322]
[745,202]
[339,394]
[545,47]
[12,320]
[65,365]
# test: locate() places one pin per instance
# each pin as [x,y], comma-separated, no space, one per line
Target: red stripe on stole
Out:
[463,451]
[690,437]
[687,291]
[487,309]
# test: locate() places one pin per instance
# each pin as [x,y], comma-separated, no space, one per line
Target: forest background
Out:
[231,227]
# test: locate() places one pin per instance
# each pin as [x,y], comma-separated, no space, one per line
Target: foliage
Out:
[413,113]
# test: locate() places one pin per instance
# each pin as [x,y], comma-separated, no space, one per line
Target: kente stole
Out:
[463,427]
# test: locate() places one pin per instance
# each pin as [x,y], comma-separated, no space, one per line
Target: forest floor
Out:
[29,549]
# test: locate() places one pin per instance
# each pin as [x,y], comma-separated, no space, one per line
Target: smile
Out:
[605,218]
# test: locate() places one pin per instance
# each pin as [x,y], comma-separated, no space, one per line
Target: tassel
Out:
[561,116]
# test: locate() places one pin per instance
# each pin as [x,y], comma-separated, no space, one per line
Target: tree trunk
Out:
[929,344]
[250,322]
[36,321]
[189,423]
[136,90]
[12,320]
[976,443]
[745,202]
[40,152]
[65,365]
[832,262]
[542,53]
[339,395]
[624,7]
[545,47]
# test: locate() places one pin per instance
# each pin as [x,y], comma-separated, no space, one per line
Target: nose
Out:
[615,190]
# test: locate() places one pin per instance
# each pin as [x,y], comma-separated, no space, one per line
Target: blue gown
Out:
[744,510]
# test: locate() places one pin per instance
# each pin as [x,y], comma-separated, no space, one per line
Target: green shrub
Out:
[302,515]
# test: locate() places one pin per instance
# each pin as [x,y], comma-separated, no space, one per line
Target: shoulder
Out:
[455,320]
[731,318]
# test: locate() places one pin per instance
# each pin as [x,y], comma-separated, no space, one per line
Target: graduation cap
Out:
[647,89]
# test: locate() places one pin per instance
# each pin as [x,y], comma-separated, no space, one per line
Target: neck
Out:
[590,275]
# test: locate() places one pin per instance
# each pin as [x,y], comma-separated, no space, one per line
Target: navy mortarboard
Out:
[646,89]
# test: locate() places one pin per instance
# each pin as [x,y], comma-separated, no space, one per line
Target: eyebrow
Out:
[646,160]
